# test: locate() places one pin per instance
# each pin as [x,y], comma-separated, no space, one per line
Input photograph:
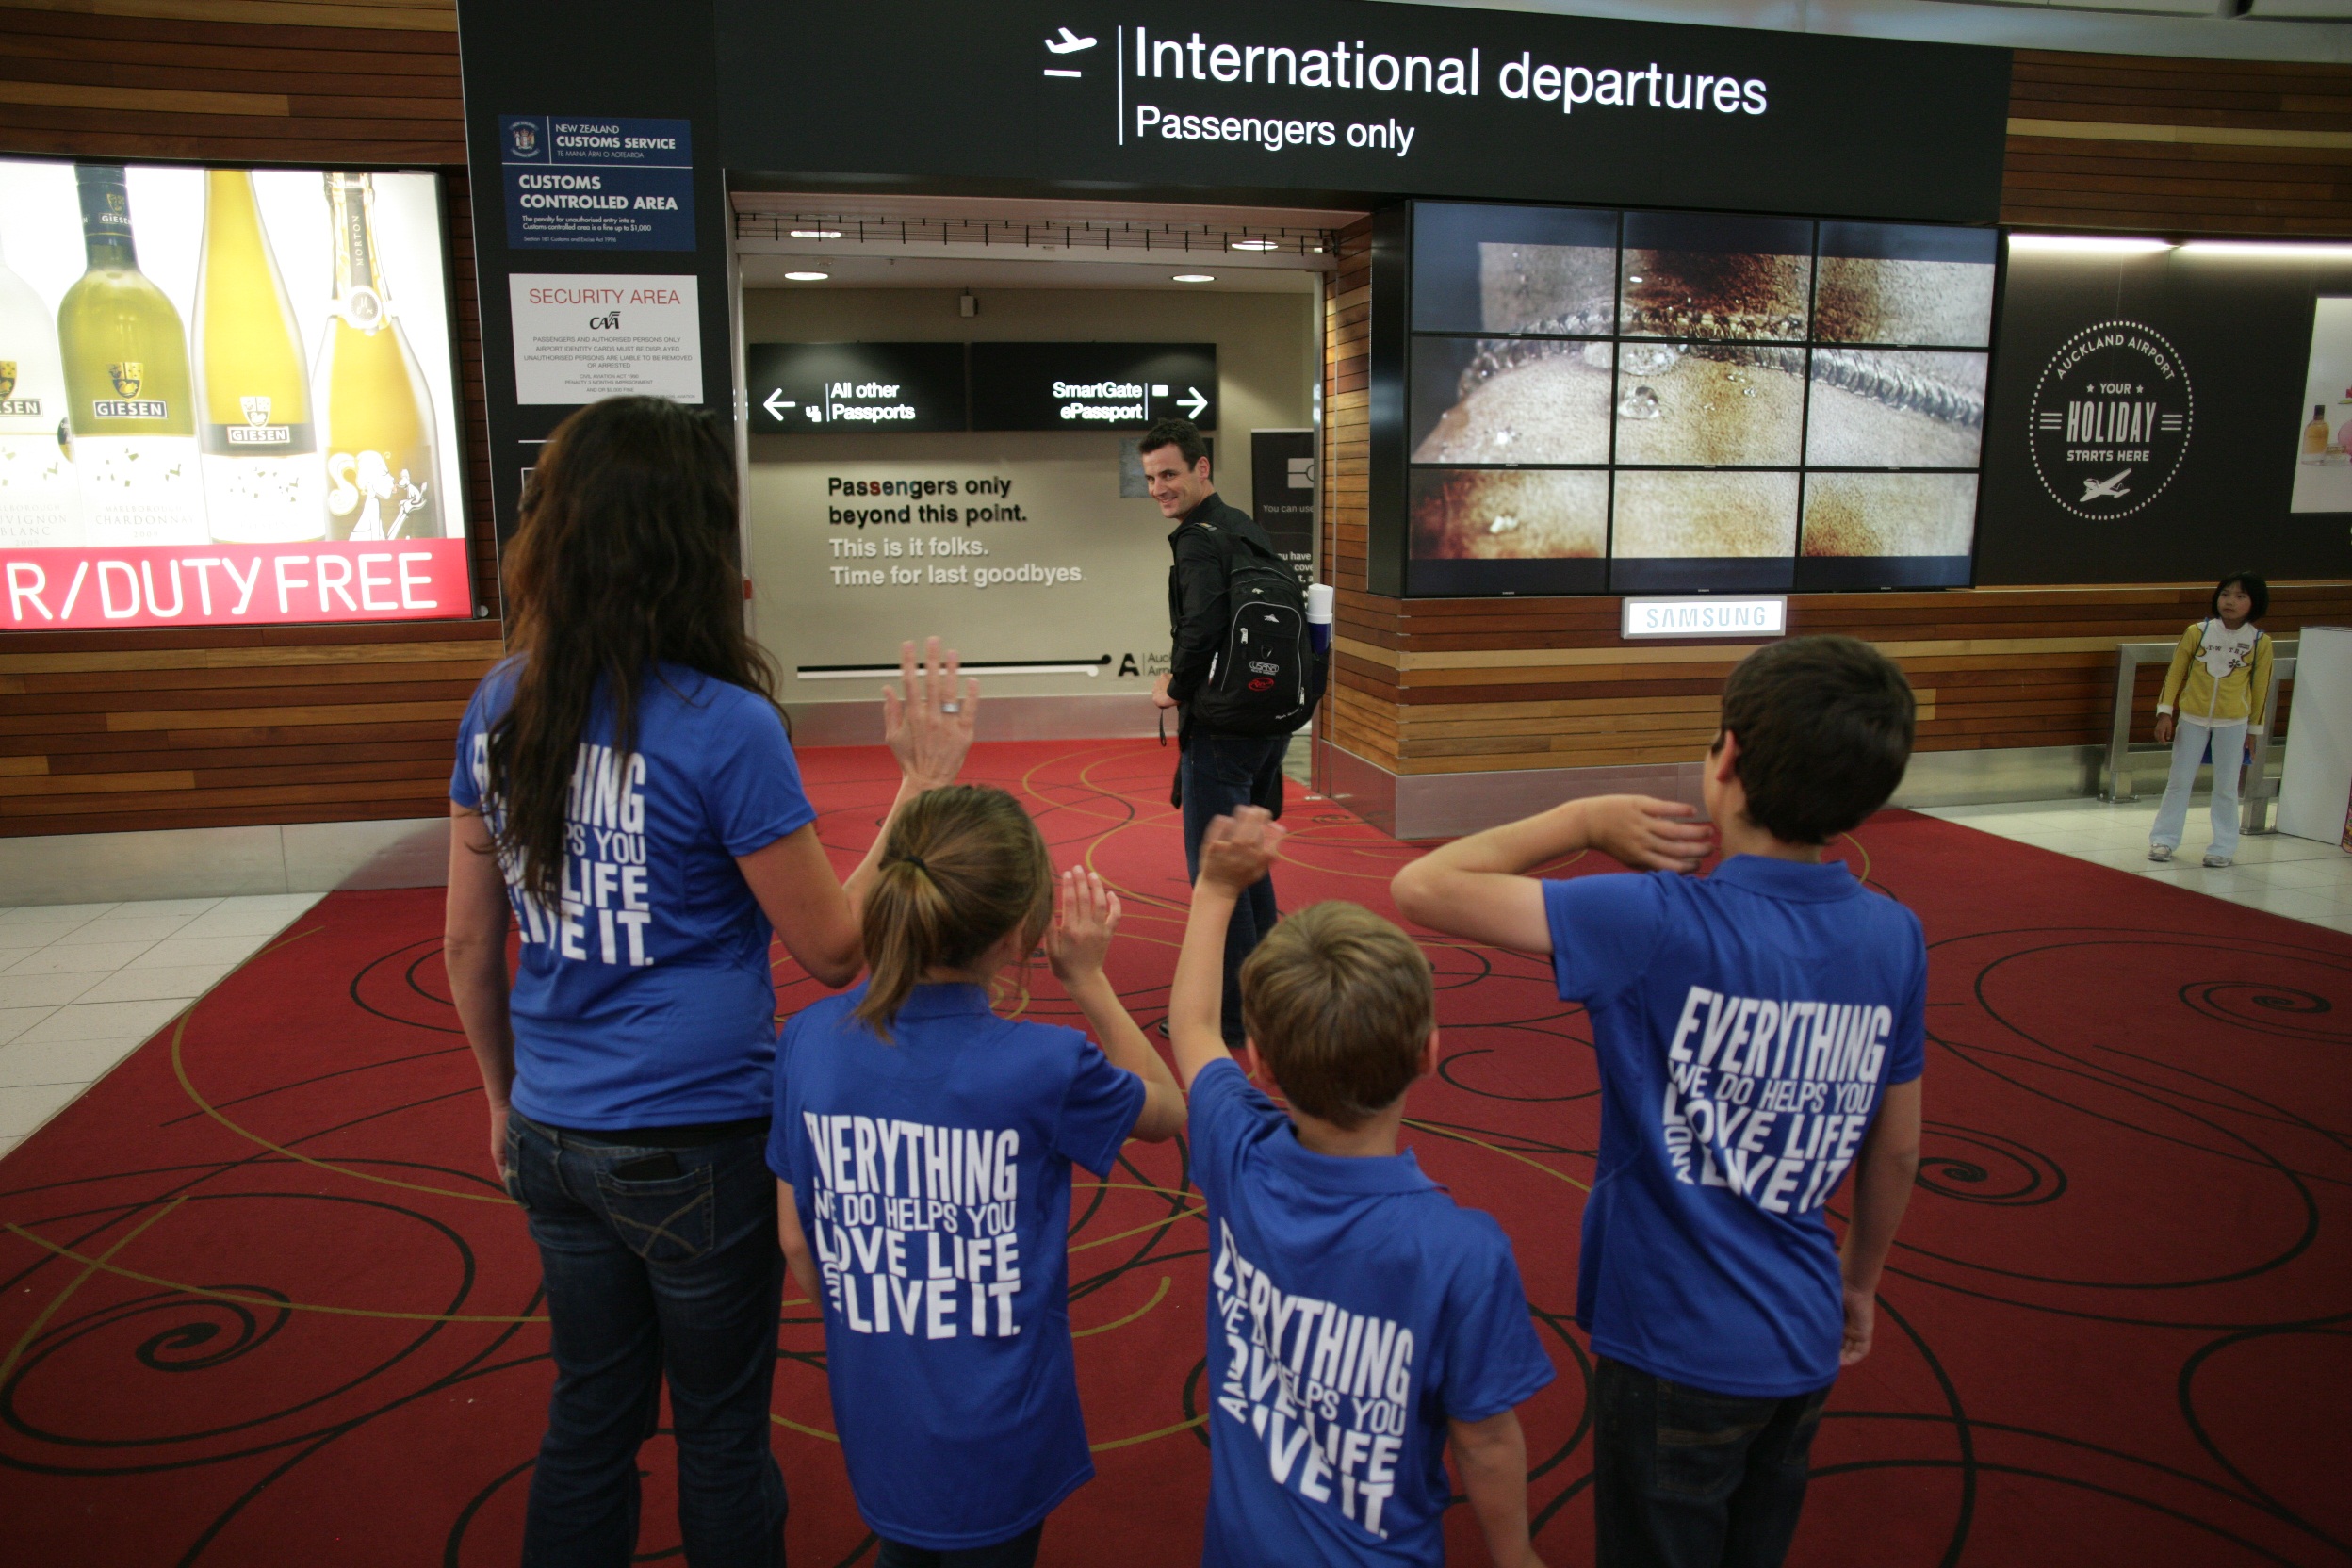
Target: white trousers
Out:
[2188,749]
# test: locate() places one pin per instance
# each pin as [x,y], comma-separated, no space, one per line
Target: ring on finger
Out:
[950,707]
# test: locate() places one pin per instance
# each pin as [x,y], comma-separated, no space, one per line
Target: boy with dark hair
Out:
[1358,1319]
[1217,771]
[1757,1031]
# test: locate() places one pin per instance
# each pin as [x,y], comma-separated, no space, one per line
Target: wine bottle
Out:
[263,482]
[128,408]
[383,473]
[39,507]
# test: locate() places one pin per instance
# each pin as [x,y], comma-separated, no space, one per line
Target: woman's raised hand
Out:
[928,727]
[1080,939]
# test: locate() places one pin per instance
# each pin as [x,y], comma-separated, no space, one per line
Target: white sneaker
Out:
[2160,851]
[2215,860]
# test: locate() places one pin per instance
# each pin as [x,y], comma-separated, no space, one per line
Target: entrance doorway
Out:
[942,396]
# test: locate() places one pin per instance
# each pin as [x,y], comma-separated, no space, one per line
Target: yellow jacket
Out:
[2219,676]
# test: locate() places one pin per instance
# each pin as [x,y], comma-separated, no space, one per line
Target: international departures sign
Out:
[1331,95]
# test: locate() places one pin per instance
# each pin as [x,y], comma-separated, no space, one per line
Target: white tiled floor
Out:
[2301,878]
[83,985]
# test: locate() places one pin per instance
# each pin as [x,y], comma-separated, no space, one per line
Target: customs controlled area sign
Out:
[597,184]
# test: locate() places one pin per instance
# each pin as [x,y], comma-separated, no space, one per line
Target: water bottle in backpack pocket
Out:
[1266,679]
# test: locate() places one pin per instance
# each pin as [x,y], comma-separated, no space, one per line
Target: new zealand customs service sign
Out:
[2111,419]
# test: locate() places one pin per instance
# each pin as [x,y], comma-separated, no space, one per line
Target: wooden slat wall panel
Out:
[2178,147]
[106,731]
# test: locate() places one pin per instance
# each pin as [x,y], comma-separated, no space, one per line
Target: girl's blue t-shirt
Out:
[645,999]
[931,1175]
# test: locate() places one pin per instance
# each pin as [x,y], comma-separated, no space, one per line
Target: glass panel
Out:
[1709,403]
[1513,269]
[1509,400]
[1705,514]
[1891,283]
[1693,275]
[1508,514]
[1896,408]
[1880,515]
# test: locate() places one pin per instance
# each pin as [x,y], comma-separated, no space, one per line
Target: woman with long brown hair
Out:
[626,792]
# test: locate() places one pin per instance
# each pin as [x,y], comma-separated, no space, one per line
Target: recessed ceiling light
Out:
[1256,245]
[1195,277]
[2267,249]
[806,277]
[816,234]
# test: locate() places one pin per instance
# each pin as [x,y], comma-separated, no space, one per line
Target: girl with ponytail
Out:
[921,1147]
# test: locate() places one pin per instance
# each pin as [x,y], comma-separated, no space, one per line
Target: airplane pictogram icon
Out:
[2106,489]
[1069,43]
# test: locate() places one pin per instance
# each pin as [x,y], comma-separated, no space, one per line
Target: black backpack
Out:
[1267,678]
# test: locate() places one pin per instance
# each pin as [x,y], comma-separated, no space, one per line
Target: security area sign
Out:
[597,185]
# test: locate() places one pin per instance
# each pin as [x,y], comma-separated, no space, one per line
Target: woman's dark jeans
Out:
[681,1275]
[1685,1478]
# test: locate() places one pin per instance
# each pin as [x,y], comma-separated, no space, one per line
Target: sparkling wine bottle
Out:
[128,407]
[383,473]
[39,507]
[263,482]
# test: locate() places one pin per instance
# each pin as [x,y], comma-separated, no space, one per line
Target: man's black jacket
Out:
[1197,607]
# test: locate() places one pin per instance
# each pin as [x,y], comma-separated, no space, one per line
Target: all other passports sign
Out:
[597,184]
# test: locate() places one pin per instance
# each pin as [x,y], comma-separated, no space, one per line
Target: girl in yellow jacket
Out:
[2215,691]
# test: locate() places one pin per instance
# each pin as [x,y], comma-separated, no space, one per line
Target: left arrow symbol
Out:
[775,408]
[1195,404]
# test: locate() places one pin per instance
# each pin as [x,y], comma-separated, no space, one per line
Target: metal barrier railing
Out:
[2255,798]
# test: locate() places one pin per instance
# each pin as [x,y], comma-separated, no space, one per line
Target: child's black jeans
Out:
[1686,1478]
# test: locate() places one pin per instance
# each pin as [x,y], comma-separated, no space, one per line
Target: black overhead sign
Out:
[1338,96]
[1091,386]
[798,387]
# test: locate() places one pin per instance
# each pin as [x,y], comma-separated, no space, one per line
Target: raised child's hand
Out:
[1647,833]
[1081,936]
[929,728]
[1239,849]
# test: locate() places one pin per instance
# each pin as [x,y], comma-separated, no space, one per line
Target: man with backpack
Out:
[1240,665]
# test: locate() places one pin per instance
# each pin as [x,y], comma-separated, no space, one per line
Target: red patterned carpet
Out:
[261,1302]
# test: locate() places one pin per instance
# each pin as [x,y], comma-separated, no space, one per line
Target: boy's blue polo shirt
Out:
[1746,1025]
[931,1176]
[1354,1310]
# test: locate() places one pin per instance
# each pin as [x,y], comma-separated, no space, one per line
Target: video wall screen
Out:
[226,397]
[1632,402]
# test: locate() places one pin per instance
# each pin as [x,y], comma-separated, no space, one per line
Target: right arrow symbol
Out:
[1195,404]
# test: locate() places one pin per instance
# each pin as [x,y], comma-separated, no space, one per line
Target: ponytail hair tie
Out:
[916,861]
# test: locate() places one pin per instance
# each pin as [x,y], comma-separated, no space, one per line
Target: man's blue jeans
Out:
[681,1275]
[1686,1478]
[1220,774]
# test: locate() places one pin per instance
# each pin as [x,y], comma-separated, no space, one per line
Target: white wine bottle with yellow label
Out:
[38,506]
[126,386]
[383,473]
[263,480]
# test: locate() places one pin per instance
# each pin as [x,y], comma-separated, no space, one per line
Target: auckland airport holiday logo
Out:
[2111,419]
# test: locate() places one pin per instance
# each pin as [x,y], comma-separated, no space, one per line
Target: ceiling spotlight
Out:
[806,277]
[816,234]
[1256,245]
[1195,277]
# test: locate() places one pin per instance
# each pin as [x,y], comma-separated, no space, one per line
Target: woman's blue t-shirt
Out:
[647,1000]
[931,1175]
